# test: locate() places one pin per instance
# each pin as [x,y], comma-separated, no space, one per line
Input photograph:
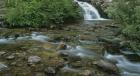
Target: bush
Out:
[37,13]
[126,12]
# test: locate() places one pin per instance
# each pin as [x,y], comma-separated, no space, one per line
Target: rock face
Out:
[101,5]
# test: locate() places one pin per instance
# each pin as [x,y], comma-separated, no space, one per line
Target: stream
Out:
[79,46]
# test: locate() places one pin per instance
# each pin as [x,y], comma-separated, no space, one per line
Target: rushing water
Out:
[90,12]
[34,36]
[78,51]
[128,68]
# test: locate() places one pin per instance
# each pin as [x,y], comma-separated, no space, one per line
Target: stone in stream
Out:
[87,73]
[124,44]
[10,57]
[72,58]
[64,55]
[87,37]
[49,46]
[76,64]
[62,46]
[16,36]
[34,59]
[2,53]
[50,71]
[115,41]
[111,45]
[106,65]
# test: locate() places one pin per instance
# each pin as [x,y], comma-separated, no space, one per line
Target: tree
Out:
[37,13]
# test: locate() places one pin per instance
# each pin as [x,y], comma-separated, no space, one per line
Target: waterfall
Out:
[90,12]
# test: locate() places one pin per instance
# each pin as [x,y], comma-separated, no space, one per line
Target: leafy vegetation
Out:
[127,12]
[38,13]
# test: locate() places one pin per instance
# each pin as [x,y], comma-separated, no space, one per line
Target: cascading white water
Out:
[90,12]
[128,68]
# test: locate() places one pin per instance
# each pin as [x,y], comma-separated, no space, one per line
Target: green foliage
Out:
[38,13]
[127,12]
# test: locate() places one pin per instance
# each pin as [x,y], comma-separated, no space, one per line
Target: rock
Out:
[21,55]
[13,63]
[11,57]
[76,64]
[73,58]
[67,29]
[50,71]
[39,74]
[34,59]
[87,37]
[86,73]
[106,65]
[49,46]
[63,54]
[124,44]
[111,45]
[107,40]
[62,46]
[2,53]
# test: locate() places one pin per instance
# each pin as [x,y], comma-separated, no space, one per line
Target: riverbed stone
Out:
[87,37]
[2,53]
[76,64]
[34,59]
[106,65]
[62,46]
[50,71]
[10,57]
[86,73]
